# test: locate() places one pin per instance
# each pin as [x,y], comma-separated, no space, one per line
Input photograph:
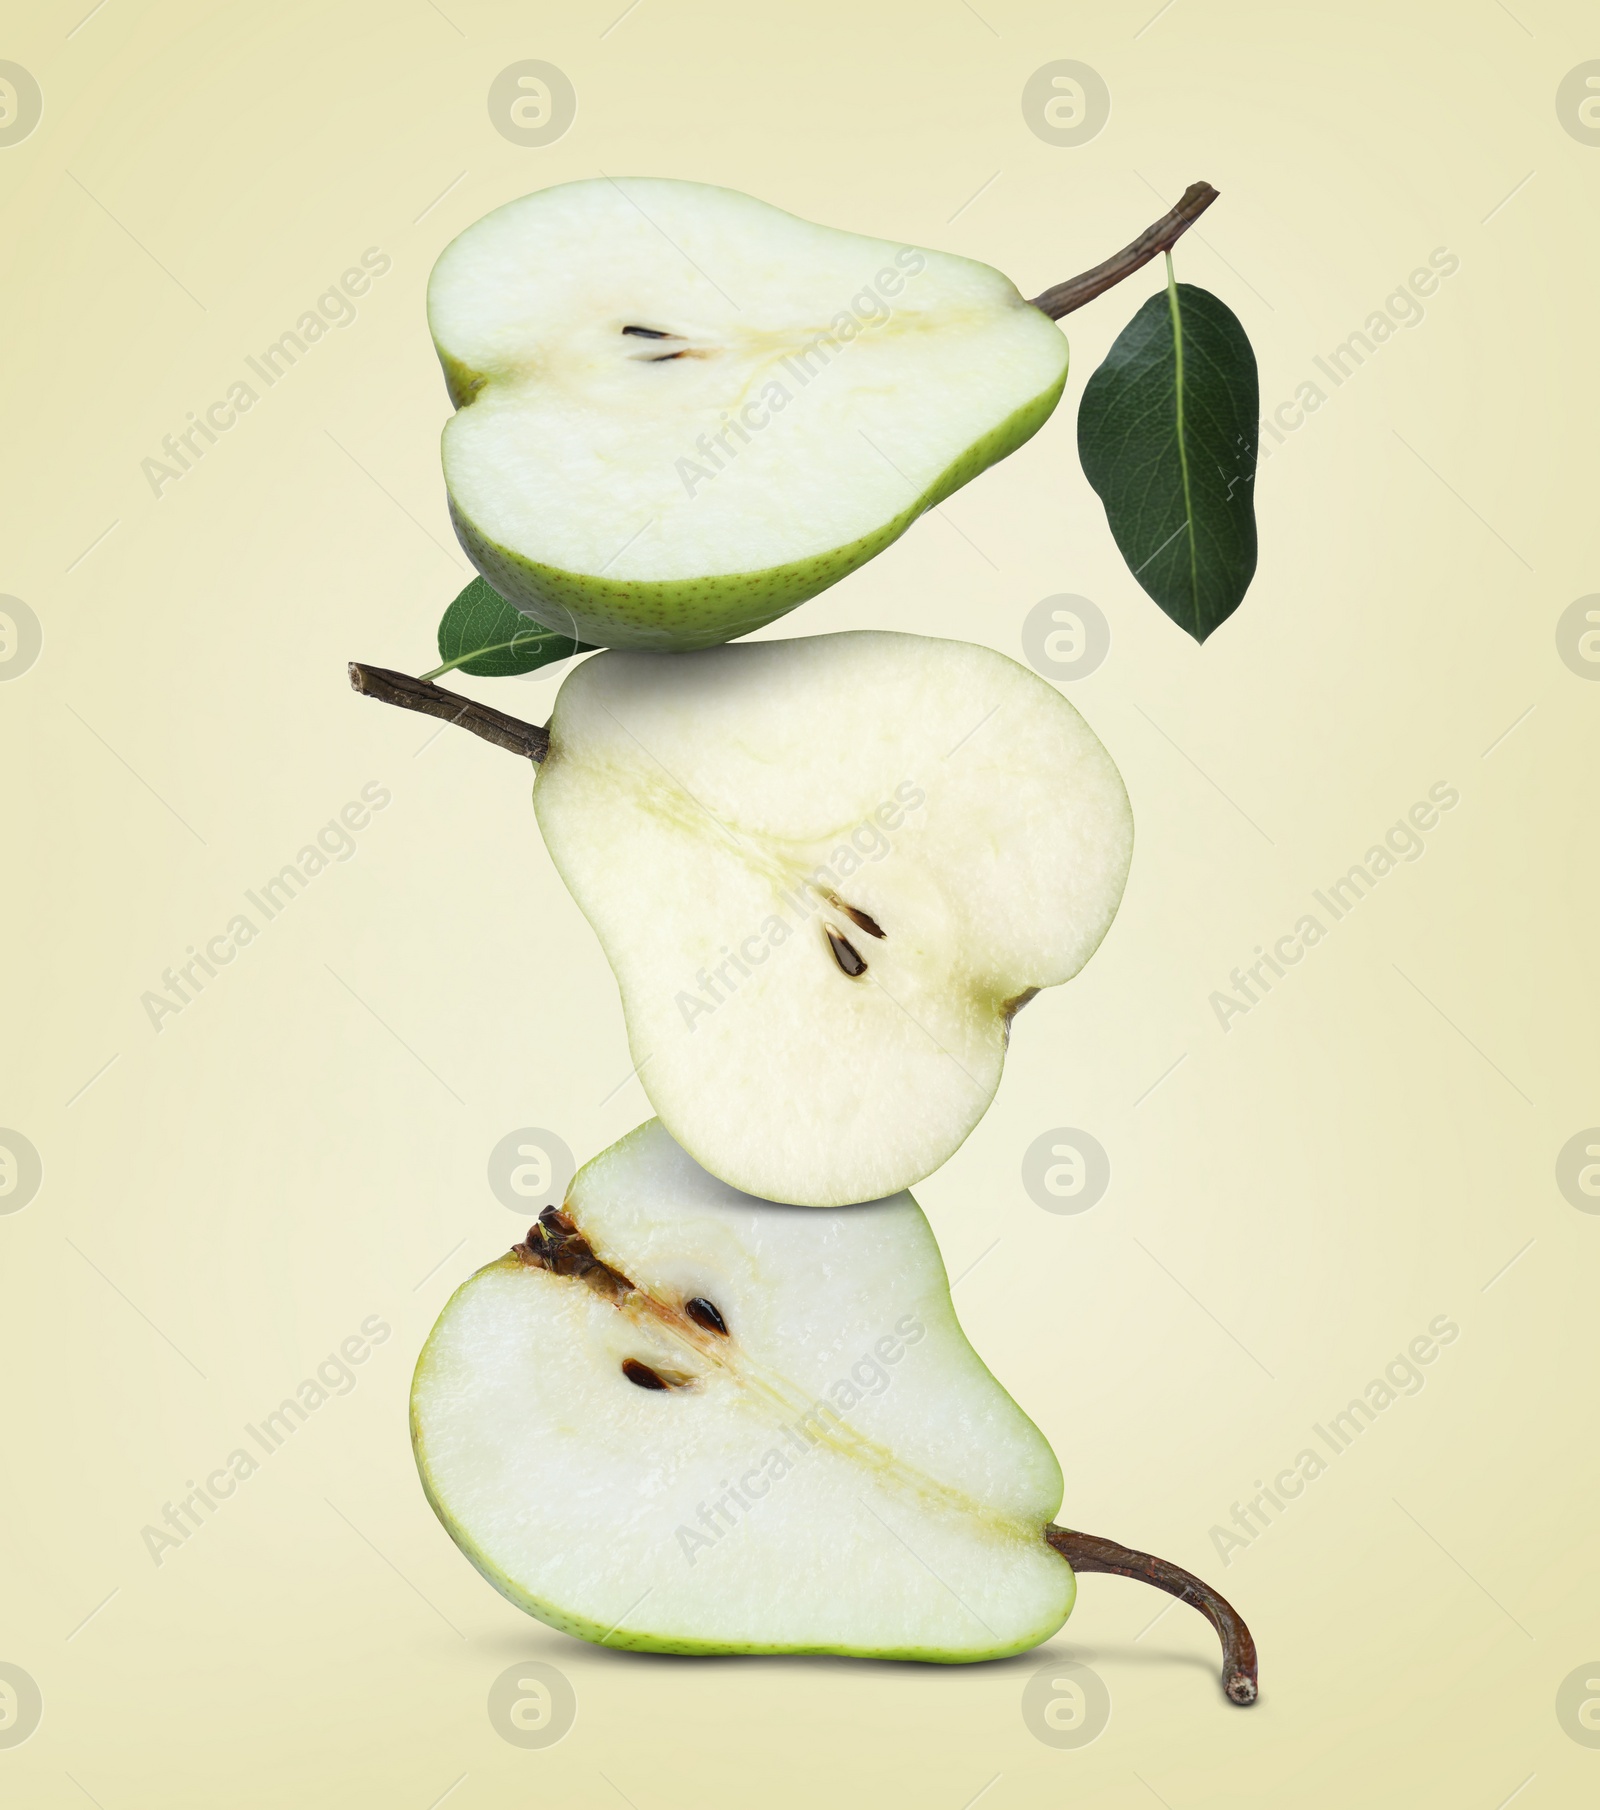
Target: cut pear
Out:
[681,412]
[684,1420]
[680,1419]
[826,874]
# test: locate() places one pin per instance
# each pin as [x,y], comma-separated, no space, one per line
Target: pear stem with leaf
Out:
[533,742]
[1160,237]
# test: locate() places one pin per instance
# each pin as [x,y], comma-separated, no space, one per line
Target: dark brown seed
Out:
[845,954]
[641,1375]
[870,925]
[646,333]
[701,1311]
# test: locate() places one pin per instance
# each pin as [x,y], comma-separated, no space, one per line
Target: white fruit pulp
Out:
[809,385]
[717,814]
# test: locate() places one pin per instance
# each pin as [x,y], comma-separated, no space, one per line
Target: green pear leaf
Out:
[483,635]
[1167,437]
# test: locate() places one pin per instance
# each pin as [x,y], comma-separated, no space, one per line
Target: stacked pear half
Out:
[682,1419]
[680,411]
[827,873]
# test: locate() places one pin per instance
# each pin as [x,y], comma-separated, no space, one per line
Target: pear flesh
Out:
[826,874]
[681,412]
[683,1420]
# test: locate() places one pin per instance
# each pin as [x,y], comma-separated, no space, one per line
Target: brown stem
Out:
[1064,297]
[433,700]
[1087,1552]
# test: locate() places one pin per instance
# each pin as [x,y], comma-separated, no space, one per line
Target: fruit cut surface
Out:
[832,1469]
[682,411]
[827,873]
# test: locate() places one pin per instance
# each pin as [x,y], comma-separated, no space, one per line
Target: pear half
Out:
[826,873]
[681,411]
[683,1420]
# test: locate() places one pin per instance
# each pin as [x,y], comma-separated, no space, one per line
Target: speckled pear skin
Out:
[678,615]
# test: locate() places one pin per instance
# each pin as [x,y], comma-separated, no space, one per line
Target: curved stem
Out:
[1087,1552]
[1063,298]
[527,739]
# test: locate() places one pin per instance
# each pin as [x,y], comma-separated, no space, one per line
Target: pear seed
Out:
[868,924]
[845,954]
[703,1313]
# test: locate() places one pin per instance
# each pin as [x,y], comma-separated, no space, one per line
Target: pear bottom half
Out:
[685,1420]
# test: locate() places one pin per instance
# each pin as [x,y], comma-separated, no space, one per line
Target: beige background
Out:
[305,1145]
